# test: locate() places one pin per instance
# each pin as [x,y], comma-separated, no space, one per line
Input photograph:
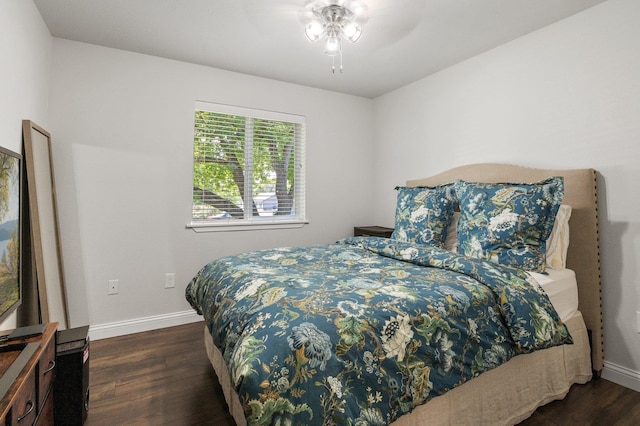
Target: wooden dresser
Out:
[28,398]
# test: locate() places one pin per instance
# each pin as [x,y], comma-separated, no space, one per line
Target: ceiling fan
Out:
[383,23]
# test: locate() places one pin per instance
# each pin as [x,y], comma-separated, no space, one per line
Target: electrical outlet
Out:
[113,287]
[170,280]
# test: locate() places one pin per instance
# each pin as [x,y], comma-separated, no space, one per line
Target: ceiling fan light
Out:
[332,47]
[332,21]
[351,31]
[314,31]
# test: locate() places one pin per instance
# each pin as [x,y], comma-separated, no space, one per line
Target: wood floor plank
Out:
[163,377]
[631,417]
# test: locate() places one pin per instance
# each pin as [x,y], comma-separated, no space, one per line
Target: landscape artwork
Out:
[9,232]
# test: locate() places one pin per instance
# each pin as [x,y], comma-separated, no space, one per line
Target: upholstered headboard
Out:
[584,248]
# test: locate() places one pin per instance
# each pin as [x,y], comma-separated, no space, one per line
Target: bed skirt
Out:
[503,396]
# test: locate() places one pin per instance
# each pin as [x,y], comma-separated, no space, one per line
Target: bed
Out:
[395,344]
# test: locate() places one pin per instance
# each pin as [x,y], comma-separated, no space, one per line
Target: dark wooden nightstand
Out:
[372,231]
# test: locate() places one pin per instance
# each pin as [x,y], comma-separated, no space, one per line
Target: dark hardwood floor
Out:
[163,377]
[159,377]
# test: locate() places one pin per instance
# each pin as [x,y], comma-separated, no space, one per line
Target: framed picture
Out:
[10,236]
[45,234]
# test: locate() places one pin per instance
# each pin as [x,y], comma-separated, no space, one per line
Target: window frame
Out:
[257,222]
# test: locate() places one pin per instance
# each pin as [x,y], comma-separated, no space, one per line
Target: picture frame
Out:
[11,292]
[45,233]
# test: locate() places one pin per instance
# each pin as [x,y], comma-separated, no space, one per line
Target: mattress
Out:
[562,288]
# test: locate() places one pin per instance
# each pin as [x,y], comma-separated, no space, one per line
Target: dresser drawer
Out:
[46,412]
[46,371]
[24,410]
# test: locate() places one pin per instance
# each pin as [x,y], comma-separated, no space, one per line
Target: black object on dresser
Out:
[71,392]
[372,231]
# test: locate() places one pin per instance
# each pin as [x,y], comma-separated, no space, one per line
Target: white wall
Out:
[25,56]
[122,125]
[566,96]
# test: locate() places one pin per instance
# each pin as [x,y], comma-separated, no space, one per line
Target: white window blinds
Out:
[248,166]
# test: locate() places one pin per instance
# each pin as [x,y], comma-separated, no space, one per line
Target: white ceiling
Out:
[402,40]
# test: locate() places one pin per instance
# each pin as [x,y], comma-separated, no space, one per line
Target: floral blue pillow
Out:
[508,223]
[423,214]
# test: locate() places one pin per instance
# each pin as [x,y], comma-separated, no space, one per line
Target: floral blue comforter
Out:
[362,331]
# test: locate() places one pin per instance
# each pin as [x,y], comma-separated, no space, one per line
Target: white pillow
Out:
[557,243]
[451,242]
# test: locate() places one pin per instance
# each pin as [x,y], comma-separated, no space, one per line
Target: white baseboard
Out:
[621,375]
[137,325]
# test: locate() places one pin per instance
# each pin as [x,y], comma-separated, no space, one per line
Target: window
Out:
[248,167]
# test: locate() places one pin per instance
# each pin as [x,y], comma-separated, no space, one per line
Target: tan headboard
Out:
[580,192]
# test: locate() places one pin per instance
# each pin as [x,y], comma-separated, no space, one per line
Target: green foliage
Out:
[9,289]
[8,174]
[430,325]
[11,255]
[218,152]
[274,412]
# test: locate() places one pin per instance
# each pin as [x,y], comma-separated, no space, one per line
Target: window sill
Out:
[226,226]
